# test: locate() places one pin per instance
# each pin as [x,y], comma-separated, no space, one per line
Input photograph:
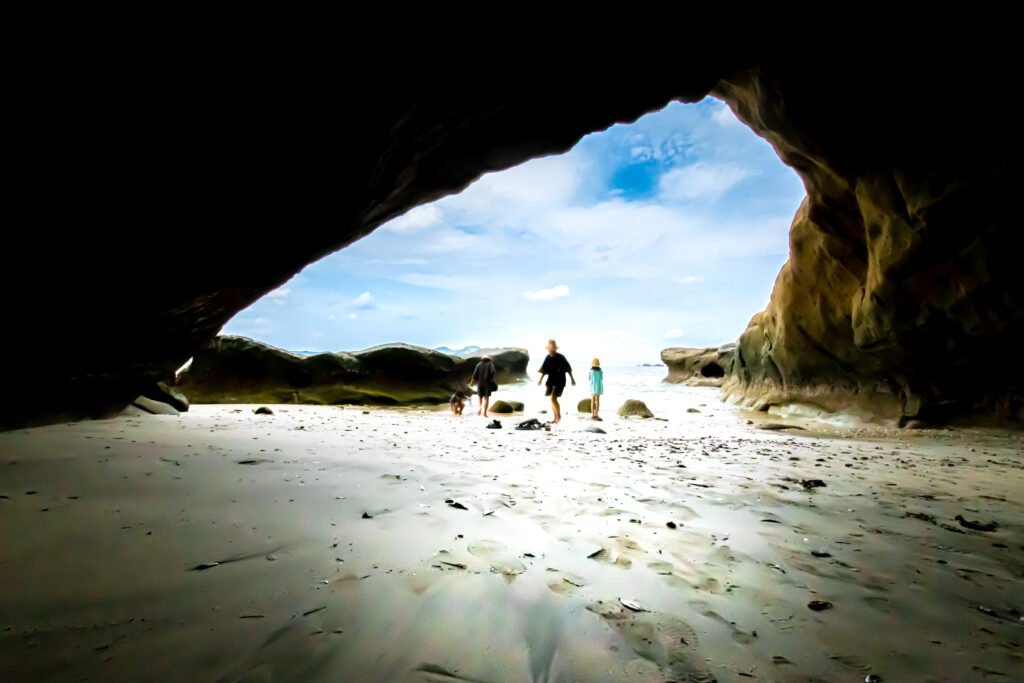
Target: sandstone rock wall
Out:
[699,367]
[902,291]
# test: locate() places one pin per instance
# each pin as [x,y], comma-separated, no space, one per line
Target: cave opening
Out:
[664,232]
[712,370]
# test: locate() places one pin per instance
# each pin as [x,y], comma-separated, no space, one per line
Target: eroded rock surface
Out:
[699,367]
[902,288]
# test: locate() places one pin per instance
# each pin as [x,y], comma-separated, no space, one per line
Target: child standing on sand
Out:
[596,388]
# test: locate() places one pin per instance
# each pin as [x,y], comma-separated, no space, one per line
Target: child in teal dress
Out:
[596,388]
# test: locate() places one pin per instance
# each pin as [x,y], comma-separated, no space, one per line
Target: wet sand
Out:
[338,557]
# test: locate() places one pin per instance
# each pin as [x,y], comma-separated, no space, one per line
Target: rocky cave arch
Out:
[160,215]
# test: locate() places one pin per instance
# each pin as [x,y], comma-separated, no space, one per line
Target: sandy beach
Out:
[344,544]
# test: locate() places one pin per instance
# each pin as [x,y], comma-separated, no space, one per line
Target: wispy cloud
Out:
[430,281]
[674,333]
[364,301]
[691,279]
[556,292]
[417,219]
[702,180]
[279,296]
[723,116]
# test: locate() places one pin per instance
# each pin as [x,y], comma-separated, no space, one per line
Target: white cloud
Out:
[723,116]
[456,240]
[409,262]
[330,317]
[416,219]
[674,333]
[556,292]
[702,180]
[641,153]
[364,301]
[352,316]
[279,296]
[449,282]
[518,191]
[691,279]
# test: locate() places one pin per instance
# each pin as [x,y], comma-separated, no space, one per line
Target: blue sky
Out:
[665,232]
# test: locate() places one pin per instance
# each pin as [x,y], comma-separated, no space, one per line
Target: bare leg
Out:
[556,409]
[487,404]
[480,404]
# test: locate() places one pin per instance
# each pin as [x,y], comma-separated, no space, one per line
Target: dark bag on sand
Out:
[531,424]
[492,385]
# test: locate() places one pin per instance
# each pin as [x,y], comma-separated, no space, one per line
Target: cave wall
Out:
[160,200]
[902,297]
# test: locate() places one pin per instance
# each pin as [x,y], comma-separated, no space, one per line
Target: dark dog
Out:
[457,402]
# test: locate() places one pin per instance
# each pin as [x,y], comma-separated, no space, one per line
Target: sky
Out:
[665,232]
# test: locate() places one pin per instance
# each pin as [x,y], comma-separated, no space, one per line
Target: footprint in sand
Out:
[739,635]
[663,639]
[563,583]
[498,557]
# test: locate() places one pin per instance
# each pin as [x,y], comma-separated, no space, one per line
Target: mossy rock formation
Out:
[635,408]
[585,405]
[699,367]
[240,370]
[902,286]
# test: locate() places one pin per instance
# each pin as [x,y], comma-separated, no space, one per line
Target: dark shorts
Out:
[483,390]
[554,391]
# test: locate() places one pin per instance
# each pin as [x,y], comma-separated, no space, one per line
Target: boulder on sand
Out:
[506,407]
[584,406]
[154,407]
[165,393]
[239,370]
[635,408]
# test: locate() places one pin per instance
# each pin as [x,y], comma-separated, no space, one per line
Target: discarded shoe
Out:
[494,424]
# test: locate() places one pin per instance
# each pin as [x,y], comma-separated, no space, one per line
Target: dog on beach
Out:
[457,402]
